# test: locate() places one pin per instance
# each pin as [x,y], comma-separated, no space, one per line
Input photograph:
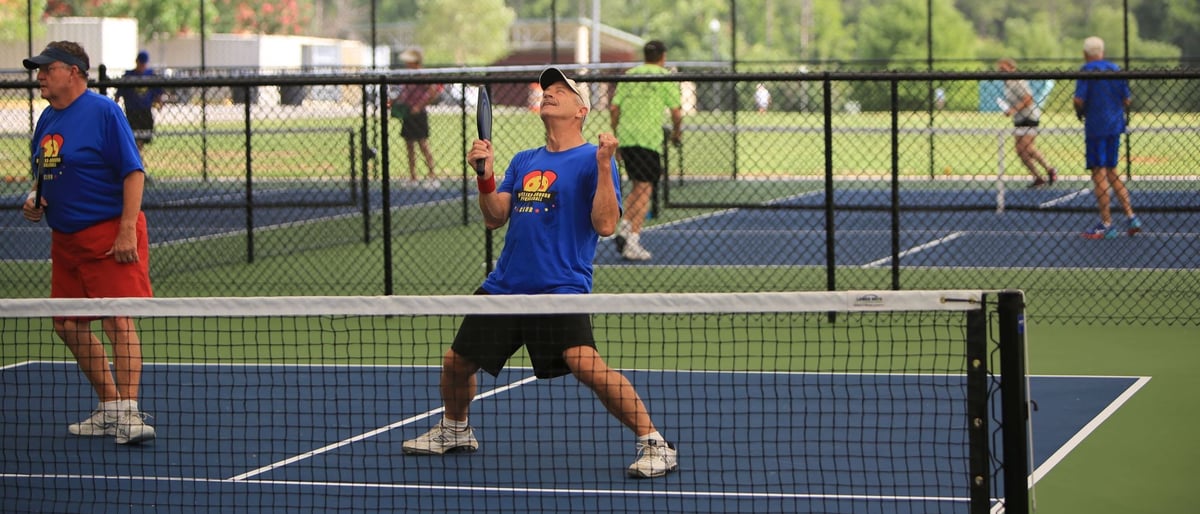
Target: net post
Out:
[1000,173]
[1014,406]
[977,410]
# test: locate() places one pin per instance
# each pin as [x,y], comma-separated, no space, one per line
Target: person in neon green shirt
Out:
[637,114]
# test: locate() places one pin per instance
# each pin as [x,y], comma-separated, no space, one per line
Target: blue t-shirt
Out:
[1103,101]
[140,97]
[89,150]
[550,243]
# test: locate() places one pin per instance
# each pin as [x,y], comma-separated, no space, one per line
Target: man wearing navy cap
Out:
[91,196]
[140,101]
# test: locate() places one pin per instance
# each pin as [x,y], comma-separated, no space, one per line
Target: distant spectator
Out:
[140,101]
[762,97]
[407,103]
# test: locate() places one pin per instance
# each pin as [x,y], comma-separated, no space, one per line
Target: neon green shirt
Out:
[642,105]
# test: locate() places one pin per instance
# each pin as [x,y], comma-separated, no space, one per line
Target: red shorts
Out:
[80,268]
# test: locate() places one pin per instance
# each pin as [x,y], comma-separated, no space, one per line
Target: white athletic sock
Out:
[652,435]
[457,426]
[622,227]
[126,405]
[110,409]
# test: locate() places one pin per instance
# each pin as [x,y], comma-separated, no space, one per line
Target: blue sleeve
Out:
[121,152]
[616,175]
[510,174]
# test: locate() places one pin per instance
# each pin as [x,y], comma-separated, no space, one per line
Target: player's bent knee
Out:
[454,362]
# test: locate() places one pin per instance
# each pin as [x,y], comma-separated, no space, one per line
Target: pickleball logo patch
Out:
[535,187]
[50,147]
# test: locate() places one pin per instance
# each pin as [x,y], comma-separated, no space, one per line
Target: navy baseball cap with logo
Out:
[51,55]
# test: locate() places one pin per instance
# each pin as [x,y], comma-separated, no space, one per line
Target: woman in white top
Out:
[1018,103]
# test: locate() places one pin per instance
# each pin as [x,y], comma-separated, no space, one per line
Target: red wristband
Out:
[486,185]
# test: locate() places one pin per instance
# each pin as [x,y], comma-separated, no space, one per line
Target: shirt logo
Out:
[50,148]
[535,187]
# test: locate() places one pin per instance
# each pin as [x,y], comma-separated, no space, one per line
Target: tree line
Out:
[893,34]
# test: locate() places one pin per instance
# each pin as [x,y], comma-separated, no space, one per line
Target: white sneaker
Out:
[633,249]
[655,459]
[128,427]
[439,440]
[98,424]
[131,427]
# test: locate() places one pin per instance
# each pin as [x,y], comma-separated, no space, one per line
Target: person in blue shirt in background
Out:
[1101,104]
[140,101]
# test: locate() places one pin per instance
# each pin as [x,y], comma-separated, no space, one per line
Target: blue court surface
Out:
[1044,239]
[282,438]
[928,239]
[181,213]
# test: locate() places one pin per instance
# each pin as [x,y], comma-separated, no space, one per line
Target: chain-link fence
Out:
[301,185]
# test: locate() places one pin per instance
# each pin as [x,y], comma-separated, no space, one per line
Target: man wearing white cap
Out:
[557,200]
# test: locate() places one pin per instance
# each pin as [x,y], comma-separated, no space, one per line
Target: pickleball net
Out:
[857,401]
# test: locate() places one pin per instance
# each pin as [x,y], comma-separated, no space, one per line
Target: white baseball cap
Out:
[552,75]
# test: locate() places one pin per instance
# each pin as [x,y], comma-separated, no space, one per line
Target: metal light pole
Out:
[714,26]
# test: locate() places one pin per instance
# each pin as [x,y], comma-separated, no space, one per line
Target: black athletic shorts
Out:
[490,340]
[641,164]
[413,127]
[142,123]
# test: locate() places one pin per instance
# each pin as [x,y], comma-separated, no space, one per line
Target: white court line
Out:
[1087,430]
[373,433]
[1064,199]
[949,237]
[290,224]
[498,489]
[722,212]
[1079,436]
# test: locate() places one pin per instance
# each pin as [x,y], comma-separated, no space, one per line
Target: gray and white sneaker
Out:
[655,459]
[98,424]
[128,427]
[620,236]
[633,249]
[441,439]
[131,428]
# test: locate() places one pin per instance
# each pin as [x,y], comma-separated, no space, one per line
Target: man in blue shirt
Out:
[92,182]
[557,200]
[1101,104]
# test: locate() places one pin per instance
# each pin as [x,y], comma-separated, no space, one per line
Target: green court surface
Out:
[1142,459]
